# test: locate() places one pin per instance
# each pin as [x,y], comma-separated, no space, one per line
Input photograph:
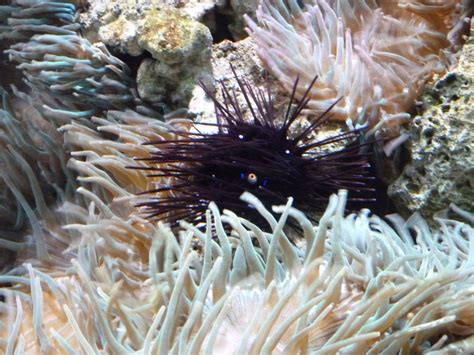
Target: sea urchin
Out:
[261,155]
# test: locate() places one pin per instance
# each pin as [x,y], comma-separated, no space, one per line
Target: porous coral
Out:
[441,168]
[376,56]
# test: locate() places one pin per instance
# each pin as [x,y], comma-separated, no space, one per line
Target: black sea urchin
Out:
[259,155]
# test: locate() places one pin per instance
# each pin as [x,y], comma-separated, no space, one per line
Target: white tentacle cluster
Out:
[353,283]
[375,56]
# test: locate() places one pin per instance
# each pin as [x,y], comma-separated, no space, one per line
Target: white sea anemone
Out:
[125,285]
[376,57]
[352,284]
[104,280]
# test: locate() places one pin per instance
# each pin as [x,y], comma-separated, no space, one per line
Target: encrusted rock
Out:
[234,10]
[178,46]
[181,51]
[121,33]
[442,167]
[160,82]
[171,37]
[242,56]
[176,34]
[96,14]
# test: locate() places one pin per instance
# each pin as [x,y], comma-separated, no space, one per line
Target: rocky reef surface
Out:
[441,167]
[175,49]
[173,38]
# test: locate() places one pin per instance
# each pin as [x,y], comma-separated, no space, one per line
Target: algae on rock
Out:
[181,51]
[177,48]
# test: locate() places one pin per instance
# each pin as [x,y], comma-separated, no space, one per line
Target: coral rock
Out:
[181,48]
[442,166]
[234,11]
[179,45]
[171,37]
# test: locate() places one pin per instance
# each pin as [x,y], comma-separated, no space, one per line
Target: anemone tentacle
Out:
[354,284]
[377,56]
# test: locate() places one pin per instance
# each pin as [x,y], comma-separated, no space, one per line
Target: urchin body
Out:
[258,155]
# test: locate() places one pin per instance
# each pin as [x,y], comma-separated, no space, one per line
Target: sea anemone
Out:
[69,77]
[353,283]
[263,155]
[376,56]
[33,178]
[105,279]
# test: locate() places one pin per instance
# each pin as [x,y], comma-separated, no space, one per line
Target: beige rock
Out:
[441,170]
